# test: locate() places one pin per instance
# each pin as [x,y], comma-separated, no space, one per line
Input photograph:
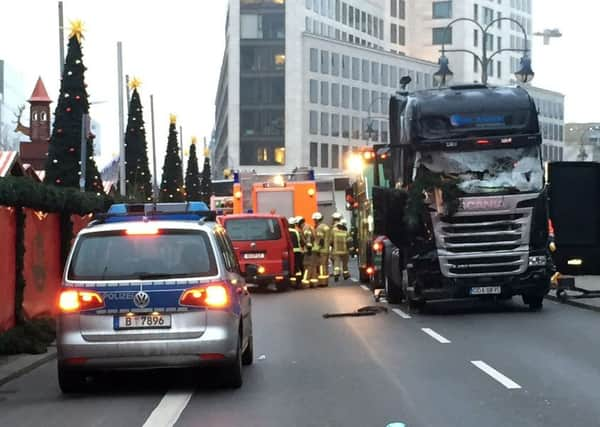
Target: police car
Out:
[153,286]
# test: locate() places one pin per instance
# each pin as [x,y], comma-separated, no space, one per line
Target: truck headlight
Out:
[537,261]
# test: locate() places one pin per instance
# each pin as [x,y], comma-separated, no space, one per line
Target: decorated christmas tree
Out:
[64,153]
[138,178]
[206,184]
[171,187]
[192,176]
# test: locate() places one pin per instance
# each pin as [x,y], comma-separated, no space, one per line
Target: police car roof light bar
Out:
[186,211]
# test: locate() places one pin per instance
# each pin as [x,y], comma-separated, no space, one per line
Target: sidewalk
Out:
[14,366]
[590,283]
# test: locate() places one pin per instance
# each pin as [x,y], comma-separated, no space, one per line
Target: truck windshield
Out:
[506,170]
[169,254]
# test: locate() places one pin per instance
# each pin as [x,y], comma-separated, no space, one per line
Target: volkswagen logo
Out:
[141,299]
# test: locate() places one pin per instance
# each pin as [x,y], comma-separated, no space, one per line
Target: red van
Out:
[263,242]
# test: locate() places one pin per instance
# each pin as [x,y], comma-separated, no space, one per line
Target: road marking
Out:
[354,280]
[401,313]
[502,379]
[433,334]
[365,288]
[169,409]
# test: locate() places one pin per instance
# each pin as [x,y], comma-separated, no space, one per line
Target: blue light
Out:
[236,177]
[196,207]
[458,120]
[249,211]
[118,209]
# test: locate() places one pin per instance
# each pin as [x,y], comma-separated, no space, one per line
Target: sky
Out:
[176,48]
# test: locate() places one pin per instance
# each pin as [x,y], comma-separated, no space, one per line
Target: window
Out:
[393,33]
[324,155]
[335,64]
[381,35]
[325,124]
[324,62]
[313,122]
[375,27]
[369,24]
[345,66]
[355,128]
[374,131]
[385,71]
[442,10]
[476,38]
[344,13]
[337,10]
[253,229]
[394,76]
[442,35]
[262,122]
[499,69]
[375,72]
[363,22]
[345,96]
[374,104]
[324,93]
[314,60]
[384,131]
[351,16]
[489,41]
[314,91]
[384,98]
[255,59]
[499,43]
[365,71]
[345,127]
[401,35]
[475,65]
[335,156]
[314,154]
[268,27]
[335,125]
[356,18]
[476,12]
[402,9]
[335,94]
[355,99]
[499,16]
[307,24]
[365,100]
[355,69]
[365,128]
[394,8]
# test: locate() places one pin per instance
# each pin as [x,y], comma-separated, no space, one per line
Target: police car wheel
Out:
[248,354]
[70,381]
[234,371]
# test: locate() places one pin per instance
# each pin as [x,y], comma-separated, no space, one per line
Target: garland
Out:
[427,182]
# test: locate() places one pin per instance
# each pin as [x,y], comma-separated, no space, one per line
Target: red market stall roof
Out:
[10,164]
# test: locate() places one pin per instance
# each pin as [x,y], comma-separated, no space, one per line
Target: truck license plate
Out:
[144,321]
[486,290]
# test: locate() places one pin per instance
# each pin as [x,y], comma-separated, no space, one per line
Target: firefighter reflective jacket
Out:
[339,242]
[296,239]
[322,239]
[309,237]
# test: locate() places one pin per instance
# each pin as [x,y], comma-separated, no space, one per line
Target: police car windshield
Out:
[253,229]
[169,254]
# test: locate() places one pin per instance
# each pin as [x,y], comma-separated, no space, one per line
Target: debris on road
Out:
[370,310]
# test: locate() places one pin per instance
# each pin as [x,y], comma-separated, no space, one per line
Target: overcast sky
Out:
[176,48]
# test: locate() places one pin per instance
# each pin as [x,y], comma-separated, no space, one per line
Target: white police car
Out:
[152,286]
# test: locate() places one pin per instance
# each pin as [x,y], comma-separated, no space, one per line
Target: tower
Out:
[39,113]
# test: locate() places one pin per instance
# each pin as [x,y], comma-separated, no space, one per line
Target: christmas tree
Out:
[139,187]
[171,188]
[64,152]
[206,184]
[192,176]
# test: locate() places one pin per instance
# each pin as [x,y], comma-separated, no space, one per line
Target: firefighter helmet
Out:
[317,216]
[336,216]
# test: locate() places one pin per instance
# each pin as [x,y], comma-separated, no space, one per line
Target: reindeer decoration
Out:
[20,127]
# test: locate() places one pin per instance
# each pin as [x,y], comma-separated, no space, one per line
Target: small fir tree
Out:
[192,176]
[64,152]
[138,178]
[206,183]
[171,187]
[93,179]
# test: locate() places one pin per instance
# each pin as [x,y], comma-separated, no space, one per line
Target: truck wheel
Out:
[283,285]
[392,291]
[535,302]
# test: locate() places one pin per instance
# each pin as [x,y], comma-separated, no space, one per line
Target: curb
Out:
[573,303]
[25,364]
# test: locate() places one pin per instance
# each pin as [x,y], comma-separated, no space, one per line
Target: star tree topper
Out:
[77,29]
[135,83]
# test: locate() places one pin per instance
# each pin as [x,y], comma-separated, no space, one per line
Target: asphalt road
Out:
[455,365]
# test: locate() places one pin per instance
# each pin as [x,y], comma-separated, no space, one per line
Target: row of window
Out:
[335,64]
[525,22]
[268,26]
[493,67]
[550,153]
[487,15]
[348,15]
[398,9]
[347,127]
[325,30]
[552,131]
[552,110]
[523,5]
[348,97]
[327,159]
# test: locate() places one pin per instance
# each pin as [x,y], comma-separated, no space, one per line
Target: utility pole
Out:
[61,37]
[85,130]
[128,92]
[122,189]
[154,180]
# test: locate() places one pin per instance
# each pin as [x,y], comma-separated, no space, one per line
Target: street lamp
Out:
[525,74]
[547,34]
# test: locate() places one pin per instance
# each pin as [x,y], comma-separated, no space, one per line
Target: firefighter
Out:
[321,247]
[309,279]
[297,243]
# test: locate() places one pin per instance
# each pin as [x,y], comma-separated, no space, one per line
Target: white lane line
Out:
[354,280]
[365,288]
[502,379]
[401,313]
[169,409]
[433,334]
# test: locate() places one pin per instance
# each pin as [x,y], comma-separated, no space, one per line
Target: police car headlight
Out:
[537,261]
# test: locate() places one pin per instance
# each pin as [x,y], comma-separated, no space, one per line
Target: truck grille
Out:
[478,244]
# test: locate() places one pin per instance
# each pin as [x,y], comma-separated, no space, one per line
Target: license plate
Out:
[144,321]
[486,290]
[254,256]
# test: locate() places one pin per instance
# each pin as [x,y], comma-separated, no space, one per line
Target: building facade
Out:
[302,82]
[12,96]
[551,115]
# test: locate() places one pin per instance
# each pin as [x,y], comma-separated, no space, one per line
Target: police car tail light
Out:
[73,300]
[214,296]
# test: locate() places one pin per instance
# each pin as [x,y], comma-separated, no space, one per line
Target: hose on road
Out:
[369,310]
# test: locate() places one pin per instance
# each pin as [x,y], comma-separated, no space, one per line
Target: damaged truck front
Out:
[468,216]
